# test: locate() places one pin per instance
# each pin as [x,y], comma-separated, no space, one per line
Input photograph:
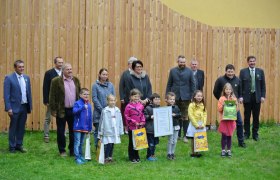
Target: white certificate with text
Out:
[163,124]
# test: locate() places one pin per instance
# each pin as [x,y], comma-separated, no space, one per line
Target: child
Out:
[172,139]
[110,127]
[82,123]
[197,115]
[152,140]
[226,127]
[135,119]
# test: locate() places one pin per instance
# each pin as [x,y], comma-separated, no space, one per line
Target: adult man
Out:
[230,77]
[18,102]
[198,75]
[63,94]
[182,83]
[123,86]
[252,95]
[49,75]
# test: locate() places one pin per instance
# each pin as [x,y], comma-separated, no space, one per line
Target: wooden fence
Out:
[91,34]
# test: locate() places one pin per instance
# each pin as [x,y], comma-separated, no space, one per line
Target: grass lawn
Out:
[260,160]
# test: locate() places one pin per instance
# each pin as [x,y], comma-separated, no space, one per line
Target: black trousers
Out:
[132,154]
[60,123]
[251,108]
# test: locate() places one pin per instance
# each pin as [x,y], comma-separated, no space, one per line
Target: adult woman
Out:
[140,80]
[100,90]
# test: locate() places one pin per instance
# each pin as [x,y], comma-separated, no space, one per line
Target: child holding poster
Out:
[152,140]
[176,114]
[226,127]
[135,119]
[110,127]
[197,116]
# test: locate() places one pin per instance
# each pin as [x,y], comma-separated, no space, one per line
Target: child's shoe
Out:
[173,156]
[169,156]
[154,157]
[133,161]
[83,159]
[151,158]
[110,159]
[229,153]
[223,154]
[79,161]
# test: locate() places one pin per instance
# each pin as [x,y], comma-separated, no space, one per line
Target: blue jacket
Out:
[82,116]
[99,97]
[12,93]
[105,124]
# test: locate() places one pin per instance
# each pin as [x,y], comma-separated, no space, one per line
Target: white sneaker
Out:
[185,140]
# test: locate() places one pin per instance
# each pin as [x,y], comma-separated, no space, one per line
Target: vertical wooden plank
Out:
[211,118]
[81,59]
[277,57]
[3,61]
[117,49]
[88,44]
[112,31]
[214,75]
[100,34]
[198,41]
[75,38]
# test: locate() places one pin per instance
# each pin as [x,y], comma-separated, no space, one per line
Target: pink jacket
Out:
[134,114]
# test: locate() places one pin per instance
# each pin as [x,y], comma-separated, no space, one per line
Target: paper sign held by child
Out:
[139,138]
[200,142]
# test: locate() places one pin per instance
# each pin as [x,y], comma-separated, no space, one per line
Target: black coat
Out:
[260,89]
[148,112]
[176,118]
[199,78]
[220,83]
[49,75]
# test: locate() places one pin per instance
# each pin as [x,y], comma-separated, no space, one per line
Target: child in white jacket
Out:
[110,127]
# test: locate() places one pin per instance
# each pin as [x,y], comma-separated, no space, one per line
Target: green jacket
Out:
[57,95]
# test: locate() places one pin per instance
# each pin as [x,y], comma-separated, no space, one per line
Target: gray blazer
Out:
[181,82]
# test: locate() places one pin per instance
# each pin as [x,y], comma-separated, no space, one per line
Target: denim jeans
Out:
[152,142]
[172,141]
[239,128]
[78,144]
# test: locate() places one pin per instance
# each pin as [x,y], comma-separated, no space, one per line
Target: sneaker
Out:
[83,159]
[169,156]
[63,154]
[173,156]
[151,158]
[154,157]
[110,159]
[193,155]
[79,161]
[185,140]
[229,153]
[46,139]
[133,161]
[138,160]
[223,154]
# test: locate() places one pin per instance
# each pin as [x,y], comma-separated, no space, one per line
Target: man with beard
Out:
[230,77]
[181,82]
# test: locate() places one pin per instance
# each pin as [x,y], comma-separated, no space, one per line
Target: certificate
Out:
[163,124]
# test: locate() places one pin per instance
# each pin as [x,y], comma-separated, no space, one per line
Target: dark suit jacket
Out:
[220,83]
[123,86]
[49,75]
[245,79]
[199,79]
[12,93]
[181,82]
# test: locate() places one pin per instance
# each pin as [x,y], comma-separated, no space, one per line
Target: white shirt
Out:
[58,71]
[22,85]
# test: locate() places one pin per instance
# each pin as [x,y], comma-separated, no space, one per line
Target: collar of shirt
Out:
[18,76]
[254,69]
[58,71]
[67,79]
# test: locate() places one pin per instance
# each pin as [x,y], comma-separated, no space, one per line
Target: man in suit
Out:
[253,92]
[123,87]
[49,75]
[181,82]
[230,77]
[64,92]
[18,102]
[198,75]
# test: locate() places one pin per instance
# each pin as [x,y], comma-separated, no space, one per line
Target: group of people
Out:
[69,103]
